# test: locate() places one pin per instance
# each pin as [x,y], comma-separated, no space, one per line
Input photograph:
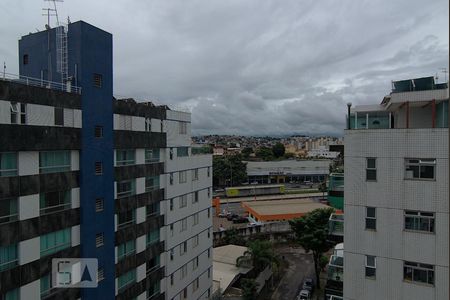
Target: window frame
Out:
[420,215]
[125,158]
[64,202]
[12,261]
[369,170]
[182,176]
[55,168]
[367,218]
[414,266]
[13,156]
[152,155]
[128,221]
[373,267]
[13,210]
[127,193]
[421,162]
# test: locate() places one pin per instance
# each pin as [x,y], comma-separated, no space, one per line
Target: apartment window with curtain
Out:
[8,164]
[55,241]
[126,188]
[125,157]
[51,202]
[126,279]
[151,183]
[54,161]
[417,272]
[8,257]
[152,155]
[8,210]
[126,249]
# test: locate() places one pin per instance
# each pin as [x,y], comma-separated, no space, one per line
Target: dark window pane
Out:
[371,163]
[427,172]
[370,272]
[370,212]
[371,224]
[59,116]
[407,273]
[371,174]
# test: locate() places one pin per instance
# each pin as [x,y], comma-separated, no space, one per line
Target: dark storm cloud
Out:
[256,67]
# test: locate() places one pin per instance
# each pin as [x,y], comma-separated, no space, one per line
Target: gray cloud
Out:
[256,67]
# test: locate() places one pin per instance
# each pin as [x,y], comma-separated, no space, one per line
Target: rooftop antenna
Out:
[51,12]
[444,70]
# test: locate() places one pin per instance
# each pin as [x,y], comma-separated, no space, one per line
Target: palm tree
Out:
[259,255]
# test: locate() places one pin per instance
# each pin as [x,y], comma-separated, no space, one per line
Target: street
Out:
[300,266]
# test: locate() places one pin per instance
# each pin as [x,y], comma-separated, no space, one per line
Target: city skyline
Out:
[256,69]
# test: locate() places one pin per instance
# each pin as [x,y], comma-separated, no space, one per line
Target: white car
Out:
[304,295]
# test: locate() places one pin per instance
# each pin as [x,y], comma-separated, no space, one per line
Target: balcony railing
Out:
[40,83]
[336,224]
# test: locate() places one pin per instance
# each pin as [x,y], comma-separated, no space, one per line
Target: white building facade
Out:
[396,197]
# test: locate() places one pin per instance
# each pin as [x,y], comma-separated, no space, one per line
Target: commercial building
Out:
[396,195]
[285,171]
[83,175]
[280,210]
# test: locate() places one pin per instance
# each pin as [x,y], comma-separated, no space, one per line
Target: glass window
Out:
[126,279]
[153,264]
[8,210]
[153,237]
[171,153]
[8,257]
[194,174]
[51,202]
[125,188]
[153,209]
[371,169]
[45,285]
[195,218]
[55,241]
[8,164]
[54,161]
[183,225]
[126,249]
[126,218]
[11,295]
[182,176]
[153,290]
[59,116]
[416,272]
[182,151]
[195,197]
[171,178]
[183,201]
[152,183]
[183,271]
[148,124]
[420,168]
[419,221]
[371,266]
[151,155]
[371,218]
[18,113]
[125,157]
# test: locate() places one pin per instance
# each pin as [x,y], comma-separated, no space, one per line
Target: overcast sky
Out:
[255,67]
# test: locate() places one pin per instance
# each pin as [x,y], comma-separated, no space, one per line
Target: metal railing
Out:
[40,83]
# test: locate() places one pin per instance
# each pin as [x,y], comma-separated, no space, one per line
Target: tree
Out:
[229,169]
[246,152]
[232,237]
[278,150]
[311,232]
[264,153]
[259,255]
[249,288]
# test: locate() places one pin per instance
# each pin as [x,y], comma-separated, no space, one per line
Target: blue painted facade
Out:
[89,53]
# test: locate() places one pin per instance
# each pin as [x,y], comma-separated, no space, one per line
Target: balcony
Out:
[37,82]
[336,225]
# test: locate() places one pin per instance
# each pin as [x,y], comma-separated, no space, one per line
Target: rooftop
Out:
[37,82]
[272,210]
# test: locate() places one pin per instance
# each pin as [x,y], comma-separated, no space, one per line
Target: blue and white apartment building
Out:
[85,175]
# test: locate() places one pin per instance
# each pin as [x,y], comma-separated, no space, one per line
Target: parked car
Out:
[308,284]
[304,295]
